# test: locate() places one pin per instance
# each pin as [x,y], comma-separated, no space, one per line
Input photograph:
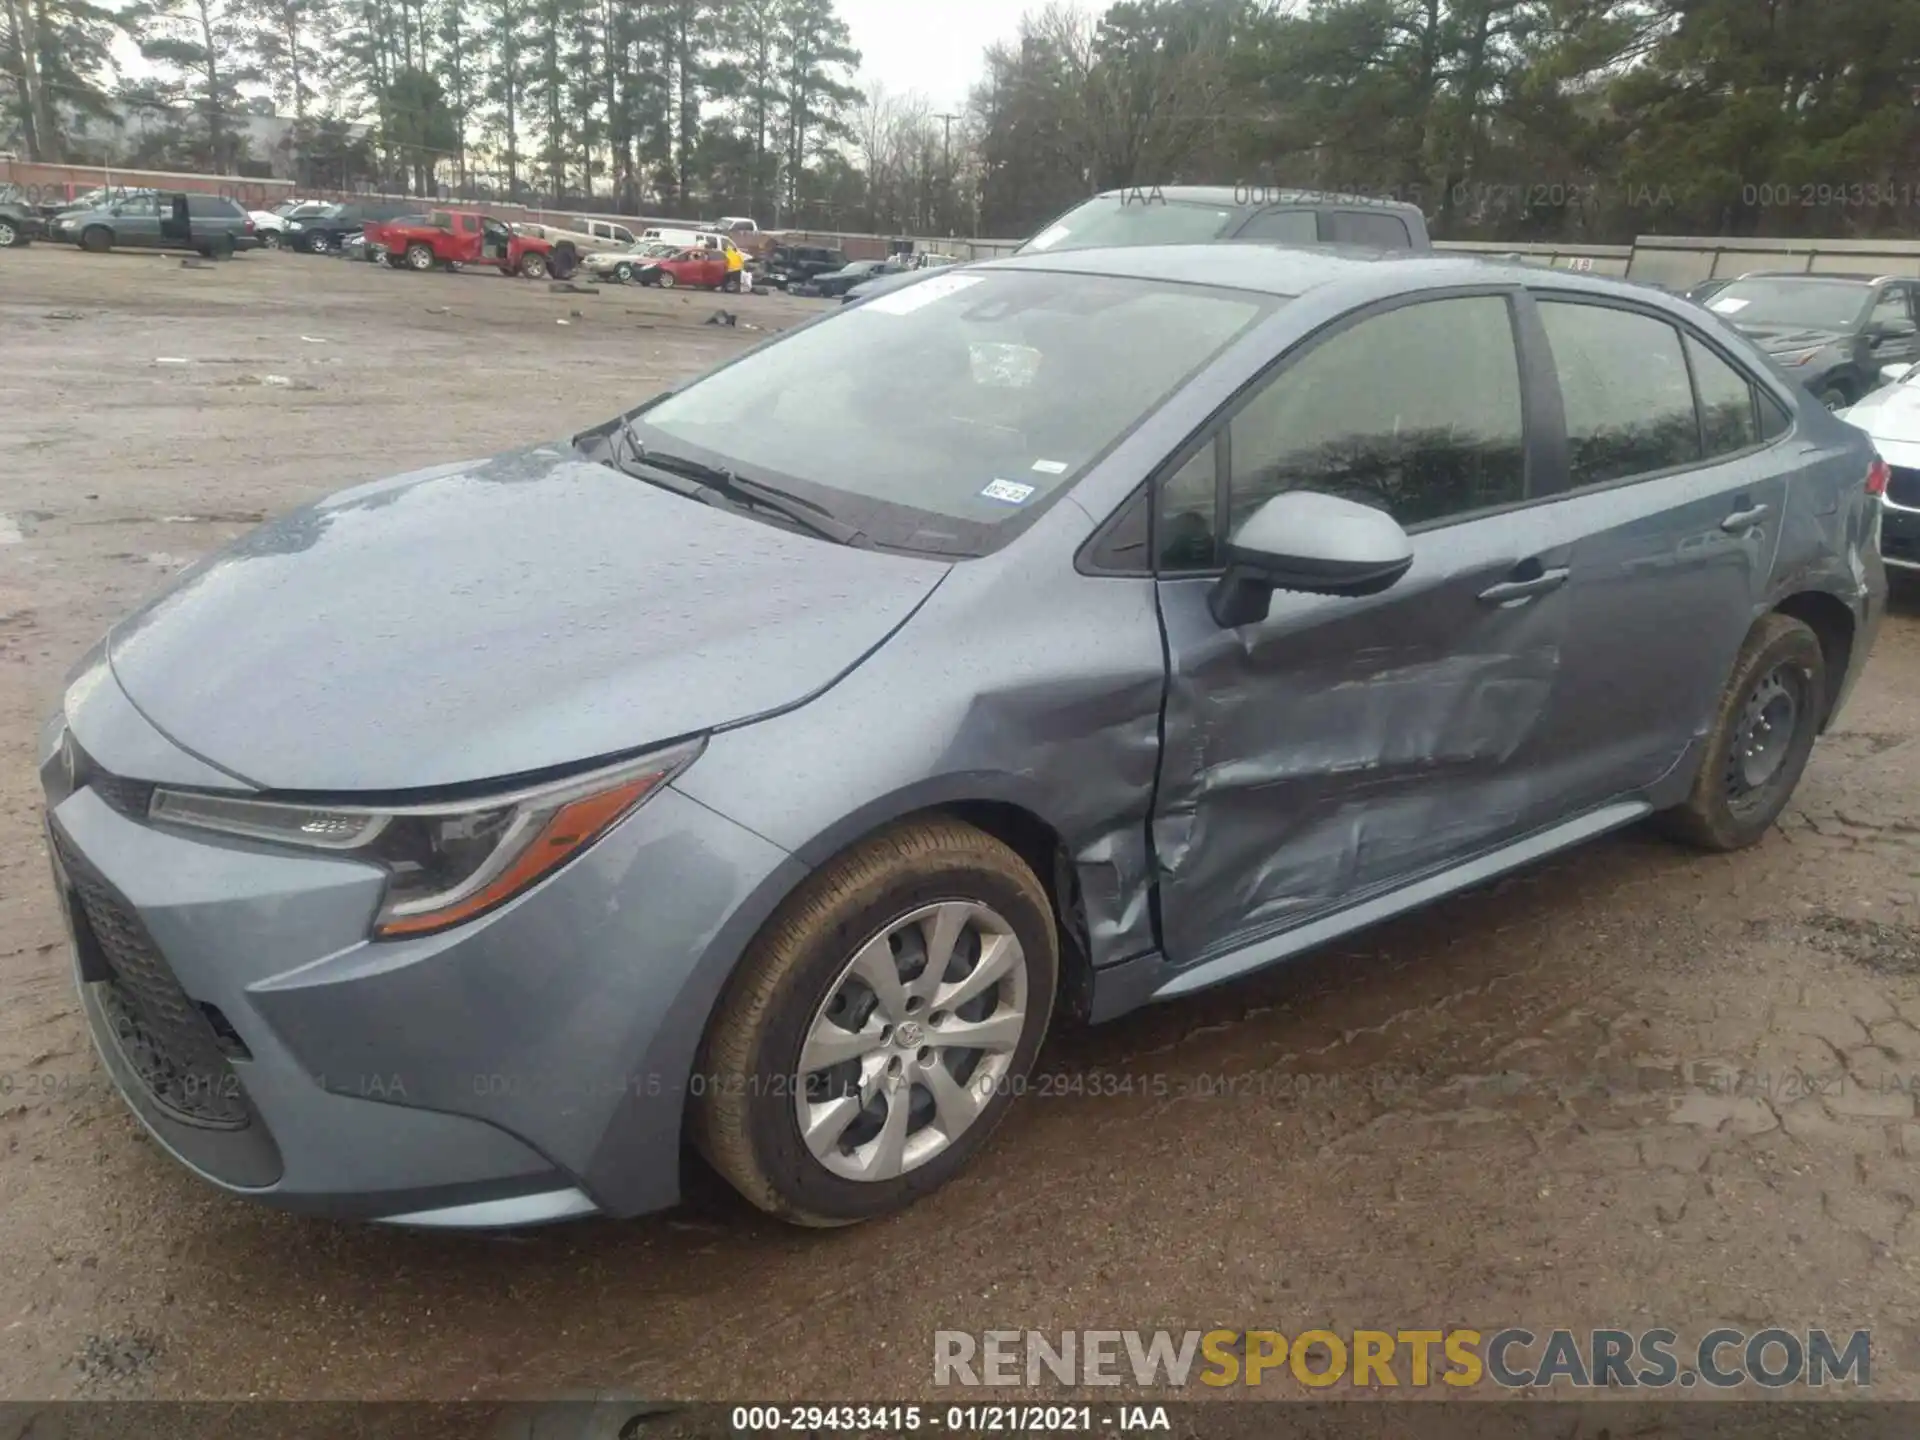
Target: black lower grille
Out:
[1903,487]
[165,1037]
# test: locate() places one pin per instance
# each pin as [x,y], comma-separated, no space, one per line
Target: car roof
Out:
[1844,277]
[1248,197]
[1291,271]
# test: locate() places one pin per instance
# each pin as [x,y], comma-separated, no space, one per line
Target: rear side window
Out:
[1415,412]
[211,207]
[1373,228]
[1729,402]
[1627,393]
[1282,227]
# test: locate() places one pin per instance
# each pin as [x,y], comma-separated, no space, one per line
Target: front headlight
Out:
[451,862]
[296,224]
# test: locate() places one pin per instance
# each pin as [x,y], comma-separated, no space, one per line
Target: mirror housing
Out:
[1311,544]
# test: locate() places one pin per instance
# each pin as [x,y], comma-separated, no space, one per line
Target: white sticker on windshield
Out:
[1050,467]
[1011,491]
[1729,306]
[910,298]
[1052,235]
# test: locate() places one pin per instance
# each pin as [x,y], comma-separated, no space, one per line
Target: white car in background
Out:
[270,227]
[1891,418]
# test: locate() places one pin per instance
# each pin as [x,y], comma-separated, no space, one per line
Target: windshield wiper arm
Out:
[747,492]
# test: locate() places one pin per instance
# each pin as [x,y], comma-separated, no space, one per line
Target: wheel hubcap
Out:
[911,1042]
[1763,736]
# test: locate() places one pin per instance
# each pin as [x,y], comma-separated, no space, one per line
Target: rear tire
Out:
[895,1109]
[420,256]
[270,240]
[1770,715]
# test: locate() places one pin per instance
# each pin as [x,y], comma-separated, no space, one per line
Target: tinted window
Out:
[140,205]
[1893,311]
[1374,228]
[1774,420]
[1284,227]
[1416,411]
[211,207]
[1623,380]
[1187,514]
[1729,409]
[936,414]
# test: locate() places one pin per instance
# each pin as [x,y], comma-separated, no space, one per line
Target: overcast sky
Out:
[932,46]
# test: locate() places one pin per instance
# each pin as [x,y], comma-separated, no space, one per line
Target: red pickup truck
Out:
[462,237]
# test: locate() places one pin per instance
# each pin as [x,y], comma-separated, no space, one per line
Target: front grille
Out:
[1903,487]
[166,1038]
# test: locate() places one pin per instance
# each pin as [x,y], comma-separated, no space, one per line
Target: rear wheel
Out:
[96,238]
[10,234]
[270,240]
[878,1028]
[1770,714]
[419,256]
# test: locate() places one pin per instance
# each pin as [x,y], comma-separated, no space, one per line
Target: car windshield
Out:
[1799,304]
[934,415]
[1131,220]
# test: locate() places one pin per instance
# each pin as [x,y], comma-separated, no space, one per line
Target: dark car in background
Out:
[160,220]
[1833,334]
[1204,214]
[838,282]
[797,264]
[20,223]
[321,228]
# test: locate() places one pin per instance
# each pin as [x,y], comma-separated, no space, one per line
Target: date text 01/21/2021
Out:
[953,1419]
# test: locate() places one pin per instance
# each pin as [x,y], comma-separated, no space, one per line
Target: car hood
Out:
[494,618]
[1891,413]
[1781,339]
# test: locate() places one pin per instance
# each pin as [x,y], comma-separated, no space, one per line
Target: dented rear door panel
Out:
[1346,744]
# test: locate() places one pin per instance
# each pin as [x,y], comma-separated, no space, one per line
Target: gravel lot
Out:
[1571,1100]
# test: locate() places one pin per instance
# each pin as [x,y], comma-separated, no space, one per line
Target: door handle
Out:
[1745,519]
[1510,590]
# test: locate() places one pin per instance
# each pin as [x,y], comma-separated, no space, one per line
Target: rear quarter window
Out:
[212,207]
[1375,229]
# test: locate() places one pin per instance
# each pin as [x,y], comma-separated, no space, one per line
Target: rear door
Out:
[1675,479]
[1344,745]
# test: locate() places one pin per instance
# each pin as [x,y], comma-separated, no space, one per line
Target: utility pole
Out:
[946,162]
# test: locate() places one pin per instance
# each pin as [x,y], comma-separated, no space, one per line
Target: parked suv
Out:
[1202,214]
[321,229]
[772,766]
[1833,334]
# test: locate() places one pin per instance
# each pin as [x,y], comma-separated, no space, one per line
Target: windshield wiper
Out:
[749,493]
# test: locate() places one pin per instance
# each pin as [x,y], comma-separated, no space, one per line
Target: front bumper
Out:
[532,1065]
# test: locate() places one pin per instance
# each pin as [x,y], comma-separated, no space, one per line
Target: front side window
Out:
[1282,227]
[1626,390]
[1892,312]
[934,415]
[1416,412]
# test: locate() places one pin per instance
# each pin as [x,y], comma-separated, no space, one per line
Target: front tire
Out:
[667,282]
[844,1076]
[623,273]
[1770,715]
[1834,397]
[96,238]
[533,265]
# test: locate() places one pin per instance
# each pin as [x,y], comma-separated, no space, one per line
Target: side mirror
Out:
[1312,544]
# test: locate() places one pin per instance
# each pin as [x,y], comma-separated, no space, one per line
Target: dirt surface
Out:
[1635,1087]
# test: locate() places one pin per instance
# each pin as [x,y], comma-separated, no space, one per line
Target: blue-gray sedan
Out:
[770,767]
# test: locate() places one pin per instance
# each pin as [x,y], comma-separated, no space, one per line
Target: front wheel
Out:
[879,1026]
[96,238]
[533,265]
[623,273]
[1770,715]
[1834,397]
[667,282]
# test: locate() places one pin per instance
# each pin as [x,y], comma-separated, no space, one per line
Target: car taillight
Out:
[1877,478]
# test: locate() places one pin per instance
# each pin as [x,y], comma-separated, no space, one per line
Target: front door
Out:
[1342,745]
[1674,502]
[1892,329]
[136,221]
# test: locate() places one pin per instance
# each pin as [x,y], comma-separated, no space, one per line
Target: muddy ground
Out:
[1571,1100]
